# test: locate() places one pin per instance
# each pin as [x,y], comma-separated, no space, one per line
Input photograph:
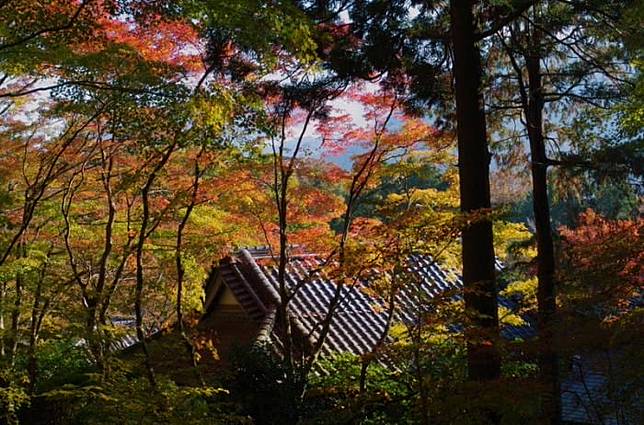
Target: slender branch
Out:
[138,302]
[47,30]
[516,12]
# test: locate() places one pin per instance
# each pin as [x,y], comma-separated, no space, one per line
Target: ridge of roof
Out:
[265,251]
[248,259]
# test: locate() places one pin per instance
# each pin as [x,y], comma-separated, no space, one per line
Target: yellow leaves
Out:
[507,317]
[398,331]
[440,333]
[435,199]
[450,177]
[513,240]
[195,275]
[523,289]
[526,288]
[214,111]
[10,269]
[210,219]
[247,201]
[13,395]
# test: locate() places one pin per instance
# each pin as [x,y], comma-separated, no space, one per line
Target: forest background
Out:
[143,140]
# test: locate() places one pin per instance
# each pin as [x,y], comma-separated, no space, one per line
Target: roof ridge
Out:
[247,258]
[265,251]
[249,261]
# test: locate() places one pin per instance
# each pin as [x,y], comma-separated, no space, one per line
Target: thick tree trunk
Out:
[474,161]
[94,336]
[546,298]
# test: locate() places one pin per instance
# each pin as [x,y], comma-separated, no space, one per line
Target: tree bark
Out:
[370,357]
[546,296]
[181,269]
[474,158]
[37,313]
[16,313]
[138,293]
[3,291]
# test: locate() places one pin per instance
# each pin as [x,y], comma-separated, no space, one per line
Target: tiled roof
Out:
[128,337]
[357,322]
[589,397]
[360,317]
[578,399]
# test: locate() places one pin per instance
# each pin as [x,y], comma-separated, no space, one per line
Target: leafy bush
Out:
[13,396]
[334,395]
[126,398]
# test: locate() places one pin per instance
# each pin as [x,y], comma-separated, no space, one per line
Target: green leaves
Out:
[13,395]
[22,266]
[214,112]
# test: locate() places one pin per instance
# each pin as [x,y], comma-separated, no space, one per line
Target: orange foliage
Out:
[606,258]
[172,42]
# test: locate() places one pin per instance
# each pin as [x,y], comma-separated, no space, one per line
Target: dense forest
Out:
[321,212]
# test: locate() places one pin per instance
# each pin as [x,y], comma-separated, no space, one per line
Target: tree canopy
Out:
[143,141]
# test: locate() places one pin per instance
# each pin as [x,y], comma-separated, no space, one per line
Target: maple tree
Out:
[613,281]
[601,280]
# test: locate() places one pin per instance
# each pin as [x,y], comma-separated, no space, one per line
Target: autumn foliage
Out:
[604,258]
[141,141]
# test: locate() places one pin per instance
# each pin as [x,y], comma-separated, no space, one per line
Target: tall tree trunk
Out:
[3,292]
[474,160]
[37,311]
[546,297]
[15,321]
[100,302]
[16,313]
[282,172]
[140,281]
[95,339]
[181,271]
